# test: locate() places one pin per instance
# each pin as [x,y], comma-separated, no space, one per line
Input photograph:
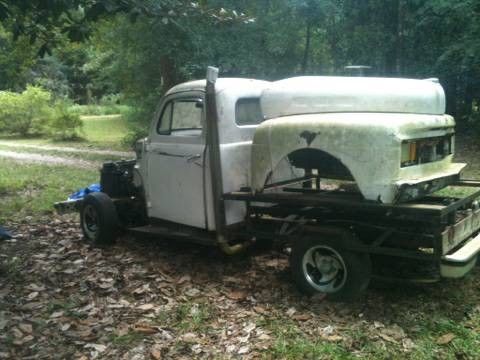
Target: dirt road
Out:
[67,149]
[13,150]
[48,159]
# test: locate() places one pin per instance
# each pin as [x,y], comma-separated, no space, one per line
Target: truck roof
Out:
[221,84]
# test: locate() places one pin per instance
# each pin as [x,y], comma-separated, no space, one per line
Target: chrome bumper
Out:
[460,262]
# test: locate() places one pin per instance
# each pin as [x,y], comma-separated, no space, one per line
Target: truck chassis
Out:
[436,230]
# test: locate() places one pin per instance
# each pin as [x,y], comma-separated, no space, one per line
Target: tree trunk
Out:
[169,72]
[391,26]
[306,51]
[450,86]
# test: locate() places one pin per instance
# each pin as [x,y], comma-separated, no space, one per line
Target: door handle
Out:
[191,158]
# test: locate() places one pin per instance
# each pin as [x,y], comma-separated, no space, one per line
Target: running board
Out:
[186,235]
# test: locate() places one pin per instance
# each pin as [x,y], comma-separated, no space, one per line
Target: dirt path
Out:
[127,154]
[48,159]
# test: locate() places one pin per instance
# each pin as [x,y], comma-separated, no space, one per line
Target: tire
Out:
[346,274]
[99,220]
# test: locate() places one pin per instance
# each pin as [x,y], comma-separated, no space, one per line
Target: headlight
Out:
[409,153]
[426,150]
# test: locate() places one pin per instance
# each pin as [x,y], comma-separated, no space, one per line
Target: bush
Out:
[64,124]
[138,119]
[93,109]
[24,113]
[33,112]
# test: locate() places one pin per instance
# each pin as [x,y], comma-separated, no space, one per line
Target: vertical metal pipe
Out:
[213,146]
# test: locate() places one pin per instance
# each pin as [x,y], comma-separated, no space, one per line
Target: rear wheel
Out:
[323,266]
[98,219]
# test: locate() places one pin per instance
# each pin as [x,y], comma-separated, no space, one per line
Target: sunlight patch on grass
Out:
[104,130]
[31,189]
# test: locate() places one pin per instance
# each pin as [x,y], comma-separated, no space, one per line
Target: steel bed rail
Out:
[431,207]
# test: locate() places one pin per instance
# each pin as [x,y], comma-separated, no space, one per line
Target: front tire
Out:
[98,219]
[320,264]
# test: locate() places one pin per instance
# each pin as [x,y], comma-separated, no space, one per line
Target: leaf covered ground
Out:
[148,298]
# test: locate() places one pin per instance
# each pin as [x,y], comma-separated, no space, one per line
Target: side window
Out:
[181,117]
[248,111]
[163,126]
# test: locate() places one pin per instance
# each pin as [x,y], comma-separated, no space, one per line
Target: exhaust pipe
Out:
[213,144]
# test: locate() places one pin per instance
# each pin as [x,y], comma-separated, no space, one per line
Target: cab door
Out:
[175,163]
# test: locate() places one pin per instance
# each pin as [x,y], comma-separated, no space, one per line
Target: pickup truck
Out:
[343,172]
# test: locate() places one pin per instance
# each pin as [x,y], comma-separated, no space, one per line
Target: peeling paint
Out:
[368,144]
[308,136]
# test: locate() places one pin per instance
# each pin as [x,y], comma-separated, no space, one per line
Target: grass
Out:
[292,343]
[31,189]
[99,109]
[423,325]
[193,316]
[103,132]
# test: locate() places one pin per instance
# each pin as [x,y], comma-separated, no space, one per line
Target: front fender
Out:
[368,144]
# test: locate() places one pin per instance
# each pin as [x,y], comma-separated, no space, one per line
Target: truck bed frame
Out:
[431,229]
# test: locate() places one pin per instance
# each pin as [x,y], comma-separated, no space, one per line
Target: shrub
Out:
[64,124]
[24,113]
[34,112]
[94,109]
[110,99]
[138,119]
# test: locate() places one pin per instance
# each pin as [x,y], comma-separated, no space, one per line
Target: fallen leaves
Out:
[237,295]
[301,317]
[445,339]
[145,329]
[32,295]
[25,328]
[146,307]
[133,301]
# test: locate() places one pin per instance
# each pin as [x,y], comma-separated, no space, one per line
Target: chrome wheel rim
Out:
[324,269]
[90,221]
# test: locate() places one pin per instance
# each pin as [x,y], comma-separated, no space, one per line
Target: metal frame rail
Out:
[434,212]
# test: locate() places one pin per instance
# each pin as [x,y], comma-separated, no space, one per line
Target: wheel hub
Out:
[324,269]
[90,221]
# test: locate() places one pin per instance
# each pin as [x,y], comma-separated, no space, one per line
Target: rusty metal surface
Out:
[455,234]
[367,144]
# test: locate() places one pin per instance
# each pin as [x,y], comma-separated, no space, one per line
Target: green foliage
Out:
[24,113]
[16,61]
[105,131]
[140,49]
[93,109]
[33,112]
[63,123]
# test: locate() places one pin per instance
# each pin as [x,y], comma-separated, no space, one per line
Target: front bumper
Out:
[459,262]
[69,206]
[418,186]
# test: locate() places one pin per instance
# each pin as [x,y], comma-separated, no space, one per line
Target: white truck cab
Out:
[174,165]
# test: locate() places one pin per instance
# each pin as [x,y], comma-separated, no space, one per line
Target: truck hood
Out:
[367,144]
[326,94]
